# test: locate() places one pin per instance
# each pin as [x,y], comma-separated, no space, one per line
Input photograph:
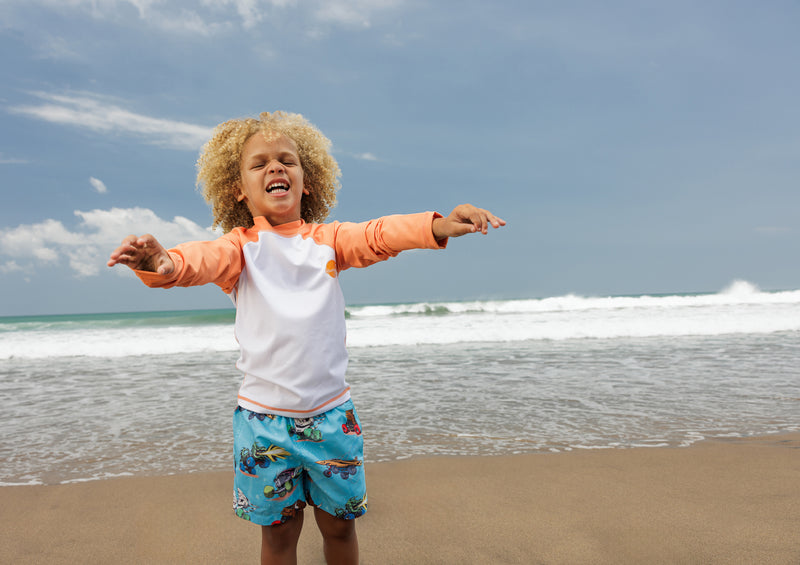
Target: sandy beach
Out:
[721,501]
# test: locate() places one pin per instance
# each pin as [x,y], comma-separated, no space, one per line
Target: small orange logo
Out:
[330,268]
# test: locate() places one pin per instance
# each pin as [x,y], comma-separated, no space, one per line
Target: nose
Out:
[275,167]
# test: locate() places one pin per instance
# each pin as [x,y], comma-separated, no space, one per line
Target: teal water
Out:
[118,319]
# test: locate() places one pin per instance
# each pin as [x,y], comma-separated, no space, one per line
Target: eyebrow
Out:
[265,154]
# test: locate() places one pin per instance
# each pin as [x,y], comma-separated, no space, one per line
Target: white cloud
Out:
[347,13]
[87,246]
[12,160]
[366,157]
[773,230]
[208,17]
[10,267]
[353,13]
[363,156]
[98,185]
[97,114]
[55,48]
[251,12]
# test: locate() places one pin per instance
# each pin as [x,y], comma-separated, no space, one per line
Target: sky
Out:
[633,147]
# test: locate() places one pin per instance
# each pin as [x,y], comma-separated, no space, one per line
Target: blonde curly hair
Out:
[219,178]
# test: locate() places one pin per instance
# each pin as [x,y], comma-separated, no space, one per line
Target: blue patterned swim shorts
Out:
[282,464]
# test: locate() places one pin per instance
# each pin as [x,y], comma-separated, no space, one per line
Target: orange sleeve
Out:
[201,262]
[362,244]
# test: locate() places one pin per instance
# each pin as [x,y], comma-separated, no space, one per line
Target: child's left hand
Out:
[465,219]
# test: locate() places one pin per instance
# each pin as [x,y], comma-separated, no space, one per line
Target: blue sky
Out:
[633,147]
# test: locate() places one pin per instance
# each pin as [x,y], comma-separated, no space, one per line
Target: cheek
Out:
[248,185]
[301,176]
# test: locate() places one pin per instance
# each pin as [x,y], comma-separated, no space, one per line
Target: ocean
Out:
[88,397]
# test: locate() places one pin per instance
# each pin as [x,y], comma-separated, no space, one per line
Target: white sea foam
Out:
[31,483]
[739,308]
[98,477]
[120,342]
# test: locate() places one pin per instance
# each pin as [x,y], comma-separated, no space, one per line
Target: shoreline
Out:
[720,500]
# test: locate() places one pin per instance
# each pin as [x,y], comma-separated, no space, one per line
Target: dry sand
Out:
[733,501]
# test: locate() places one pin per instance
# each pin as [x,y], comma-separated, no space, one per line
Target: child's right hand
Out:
[143,253]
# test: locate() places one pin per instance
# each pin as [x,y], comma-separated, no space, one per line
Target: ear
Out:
[305,191]
[238,191]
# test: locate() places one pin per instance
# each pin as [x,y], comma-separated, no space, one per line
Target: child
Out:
[297,437]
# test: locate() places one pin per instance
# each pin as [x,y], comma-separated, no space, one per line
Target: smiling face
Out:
[271,178]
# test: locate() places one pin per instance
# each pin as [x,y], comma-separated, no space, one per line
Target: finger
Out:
[164,269]
[491,219]
[479,221]
[131,252]
[119,255]
[495,221]
[126,244]
[464,229]
[146,241]
[145,246]
[129,243]
[457,228]
[116,258]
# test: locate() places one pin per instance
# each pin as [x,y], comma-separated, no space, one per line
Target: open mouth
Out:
[278,187]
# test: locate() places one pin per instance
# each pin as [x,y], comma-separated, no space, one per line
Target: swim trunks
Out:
[282,464]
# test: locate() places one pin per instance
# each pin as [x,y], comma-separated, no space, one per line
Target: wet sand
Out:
[721,501]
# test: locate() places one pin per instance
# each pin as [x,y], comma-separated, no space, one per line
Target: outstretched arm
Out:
[143,253]
[465,219]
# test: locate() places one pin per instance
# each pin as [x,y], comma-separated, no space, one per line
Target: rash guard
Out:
[290,310]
